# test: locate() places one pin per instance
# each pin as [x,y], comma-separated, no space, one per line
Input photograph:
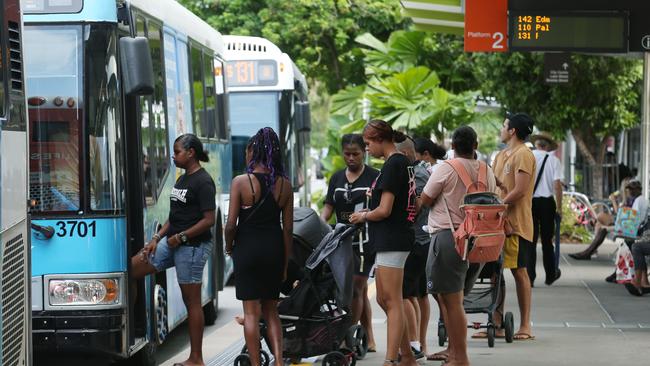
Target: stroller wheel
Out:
[442,334]
[356,339]
[265,359]
[242,360]
[335,358]
[491,333]
[350,356]
[509,325]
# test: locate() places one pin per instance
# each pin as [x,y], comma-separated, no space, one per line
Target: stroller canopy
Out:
[336,249]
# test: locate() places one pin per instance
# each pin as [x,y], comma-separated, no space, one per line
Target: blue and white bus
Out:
[266,88]
[104,109]
[14,220]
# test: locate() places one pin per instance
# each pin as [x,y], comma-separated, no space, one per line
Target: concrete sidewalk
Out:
[580,320]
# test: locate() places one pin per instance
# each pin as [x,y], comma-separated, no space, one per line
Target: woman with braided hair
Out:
[258,244]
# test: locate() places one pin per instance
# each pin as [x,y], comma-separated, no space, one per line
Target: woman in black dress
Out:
[258,243]
[390,222]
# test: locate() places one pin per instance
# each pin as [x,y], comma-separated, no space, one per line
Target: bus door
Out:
[14,236]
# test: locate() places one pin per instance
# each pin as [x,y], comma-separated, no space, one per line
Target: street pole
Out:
[645,127]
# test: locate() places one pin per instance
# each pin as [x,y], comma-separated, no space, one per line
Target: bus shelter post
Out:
[645,127]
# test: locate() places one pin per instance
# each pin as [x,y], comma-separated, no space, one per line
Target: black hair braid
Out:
[265,150]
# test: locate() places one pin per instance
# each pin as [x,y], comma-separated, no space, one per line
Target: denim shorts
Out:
[189,261]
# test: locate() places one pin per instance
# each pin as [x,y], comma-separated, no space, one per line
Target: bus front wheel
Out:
[146,356]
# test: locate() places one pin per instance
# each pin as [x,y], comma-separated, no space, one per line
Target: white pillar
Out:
[645,128]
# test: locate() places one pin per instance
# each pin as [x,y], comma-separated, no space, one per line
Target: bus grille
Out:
[15,57]
[13,302]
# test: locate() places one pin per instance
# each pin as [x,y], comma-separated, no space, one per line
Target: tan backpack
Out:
[482,232]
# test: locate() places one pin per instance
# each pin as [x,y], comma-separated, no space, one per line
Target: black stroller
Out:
[482,295]
[315,316]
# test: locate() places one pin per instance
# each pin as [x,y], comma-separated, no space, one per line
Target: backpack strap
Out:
[470,185]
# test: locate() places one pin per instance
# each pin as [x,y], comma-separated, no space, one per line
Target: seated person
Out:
[633,199]
[640,249]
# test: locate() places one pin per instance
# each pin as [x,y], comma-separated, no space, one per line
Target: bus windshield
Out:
[74,166]
[250,111]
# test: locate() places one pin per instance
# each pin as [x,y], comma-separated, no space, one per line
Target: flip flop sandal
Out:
[483,335]
[437,357]
[523,337]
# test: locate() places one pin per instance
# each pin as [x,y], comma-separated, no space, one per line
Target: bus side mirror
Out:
[137,69]
[303,117]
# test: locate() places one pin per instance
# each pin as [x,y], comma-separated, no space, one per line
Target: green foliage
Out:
[317,34]
[402,90]
[569,228]
[601,100]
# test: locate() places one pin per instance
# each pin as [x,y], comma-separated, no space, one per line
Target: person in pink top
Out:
[446,270]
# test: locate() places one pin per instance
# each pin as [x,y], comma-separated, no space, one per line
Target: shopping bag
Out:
[627,223]
[624,264]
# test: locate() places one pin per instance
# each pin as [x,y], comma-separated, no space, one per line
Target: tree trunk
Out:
[335,60]
[593,150]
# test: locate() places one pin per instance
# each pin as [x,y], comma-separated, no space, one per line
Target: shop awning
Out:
[441,16]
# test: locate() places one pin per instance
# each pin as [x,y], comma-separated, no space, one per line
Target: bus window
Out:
[105,138]
[210,96]
[184,101]
[199,122]
[248,113]
[222,118]
[158,119]
[54,161]
[147,144]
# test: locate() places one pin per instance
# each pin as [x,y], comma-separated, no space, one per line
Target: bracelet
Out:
[156,236]
[365,216]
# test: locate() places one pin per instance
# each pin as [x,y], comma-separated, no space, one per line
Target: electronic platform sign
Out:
[577,31]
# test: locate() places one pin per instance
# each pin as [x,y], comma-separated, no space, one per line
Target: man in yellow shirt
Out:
[514,168]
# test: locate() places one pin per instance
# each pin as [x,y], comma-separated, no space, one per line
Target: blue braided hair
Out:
[265,149]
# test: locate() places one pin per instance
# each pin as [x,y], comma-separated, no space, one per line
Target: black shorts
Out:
[415,279]
[363,269]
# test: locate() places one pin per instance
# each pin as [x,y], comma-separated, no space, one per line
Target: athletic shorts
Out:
[516,251]
[363,269]
[415,278]
[188,260]
[393,259]
[446,270]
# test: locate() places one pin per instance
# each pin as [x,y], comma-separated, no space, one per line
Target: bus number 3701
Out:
[80,228]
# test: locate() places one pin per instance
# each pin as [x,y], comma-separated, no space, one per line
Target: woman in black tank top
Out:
[258,237]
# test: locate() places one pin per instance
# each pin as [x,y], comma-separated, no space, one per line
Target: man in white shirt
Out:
[547,204]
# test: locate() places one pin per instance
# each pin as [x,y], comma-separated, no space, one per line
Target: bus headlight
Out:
[104,291]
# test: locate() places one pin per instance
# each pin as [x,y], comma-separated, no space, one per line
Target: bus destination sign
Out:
[251,73]
[568,31]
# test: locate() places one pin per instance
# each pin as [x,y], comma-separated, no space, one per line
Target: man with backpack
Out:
[446,269]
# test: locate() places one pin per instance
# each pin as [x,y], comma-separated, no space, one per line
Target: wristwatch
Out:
[183,237]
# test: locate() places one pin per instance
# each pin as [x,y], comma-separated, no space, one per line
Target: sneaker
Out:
[611,278]
[418,354]
[558,274]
